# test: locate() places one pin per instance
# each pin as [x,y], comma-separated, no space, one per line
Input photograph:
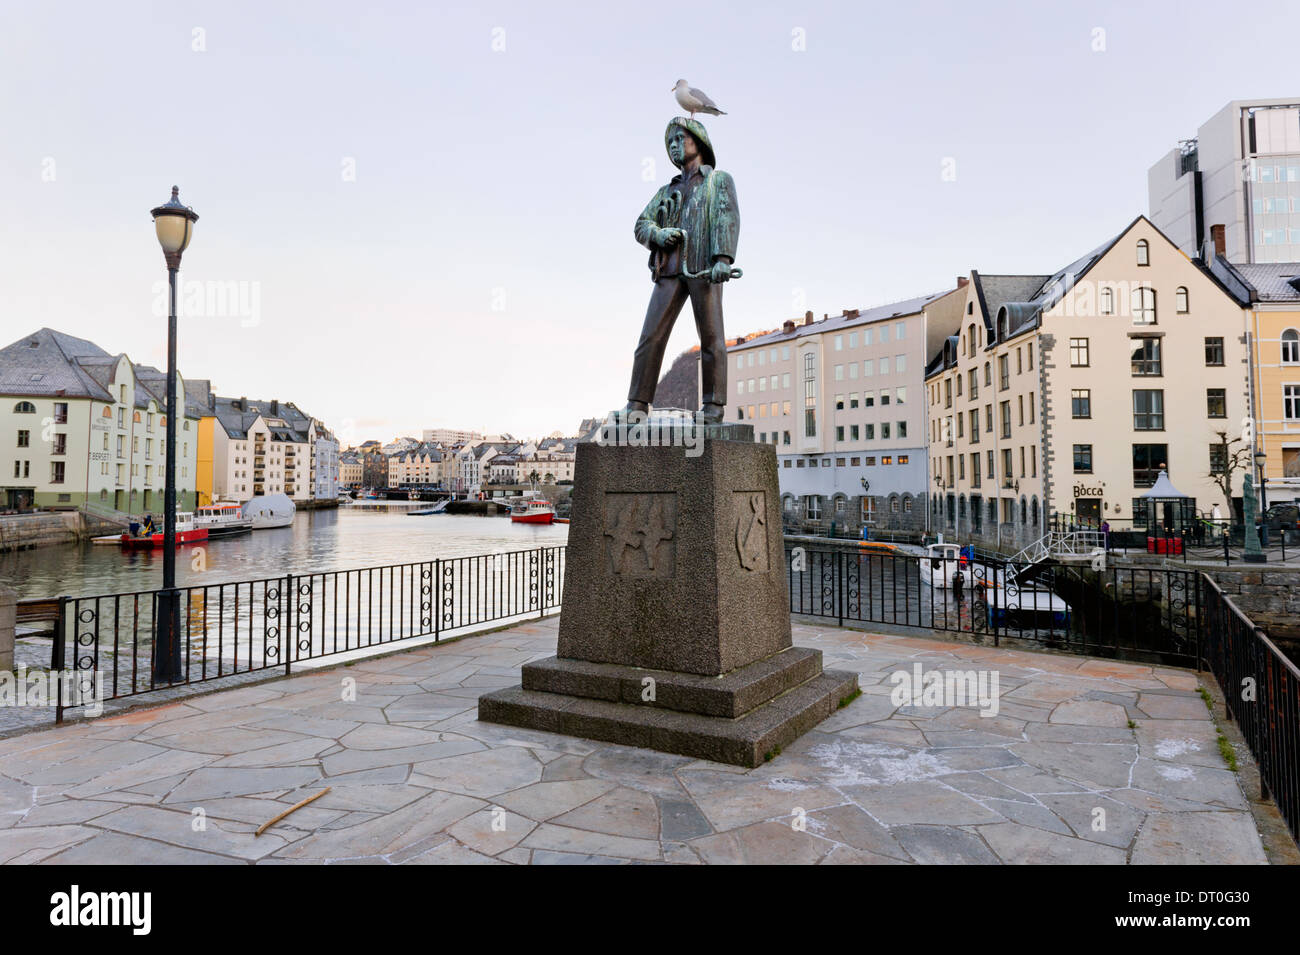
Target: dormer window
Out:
[1144,252]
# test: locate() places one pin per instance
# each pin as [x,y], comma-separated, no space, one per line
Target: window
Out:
[988,419]
[1216,403]
[24,439]
[900,396]
[868,399]
[974,390]
[60,413]
[1006,467]
[854,433]
[839,432]
[1146,356]
[884,431]
[902,459]
[1148,461]
[1218,458]
[900,364]
[60,443]
[884,396]
[902,429]
[1144,306]
[1214,351]
[871,432]
[1005,411]
[1083,459]
[1079,352]
[1107,301]
[1081,403]
[1004,373]
[887,459]
[24,407]
[1143,252]
[1291,402]
[1180,300]
[1290,347]
[56,472]
[974,425]
[988,375]
[1148,410]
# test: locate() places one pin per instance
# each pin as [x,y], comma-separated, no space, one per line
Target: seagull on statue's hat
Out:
[695,101]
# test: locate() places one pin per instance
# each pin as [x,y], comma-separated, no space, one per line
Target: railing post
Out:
[435,598]
[57,655]
[289,601]
[541,582]
[841,584]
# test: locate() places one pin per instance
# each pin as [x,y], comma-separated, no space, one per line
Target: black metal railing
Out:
[1140,613]
[1261,690]
[239,628]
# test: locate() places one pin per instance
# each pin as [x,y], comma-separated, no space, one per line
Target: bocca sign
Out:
[1081,491]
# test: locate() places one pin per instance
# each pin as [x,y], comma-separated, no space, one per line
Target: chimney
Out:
[850,313]
[275,407]
[961,281]
[212,401]
[243,402]
[1219,239]
[788,327]
[807,318]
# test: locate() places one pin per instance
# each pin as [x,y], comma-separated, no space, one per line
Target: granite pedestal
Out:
[675,624]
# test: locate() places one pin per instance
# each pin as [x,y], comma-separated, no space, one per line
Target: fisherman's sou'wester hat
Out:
[696,129]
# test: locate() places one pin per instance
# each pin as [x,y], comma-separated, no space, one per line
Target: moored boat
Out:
[223,519]
[270,510]
[532,510]
[149,535]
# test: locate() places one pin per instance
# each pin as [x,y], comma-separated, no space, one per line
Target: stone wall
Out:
[1269,597]
[24,531]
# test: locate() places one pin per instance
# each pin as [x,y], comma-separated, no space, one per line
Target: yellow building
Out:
[1273,327]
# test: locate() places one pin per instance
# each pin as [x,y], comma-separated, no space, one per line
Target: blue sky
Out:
[429,211]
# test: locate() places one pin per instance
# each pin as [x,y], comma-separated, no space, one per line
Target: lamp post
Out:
[174,226]
[1260,458]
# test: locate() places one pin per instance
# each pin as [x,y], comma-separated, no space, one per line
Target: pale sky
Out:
[429,211]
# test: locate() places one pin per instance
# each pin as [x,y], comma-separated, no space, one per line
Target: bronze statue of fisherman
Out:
[690,227]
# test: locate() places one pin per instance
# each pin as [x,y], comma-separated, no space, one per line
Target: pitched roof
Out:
[1272,281]
[848,319]
[47,363]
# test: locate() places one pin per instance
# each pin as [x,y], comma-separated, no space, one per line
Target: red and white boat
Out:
[187,532]
[532,510]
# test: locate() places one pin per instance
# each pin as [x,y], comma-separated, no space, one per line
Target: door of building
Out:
[1088,511]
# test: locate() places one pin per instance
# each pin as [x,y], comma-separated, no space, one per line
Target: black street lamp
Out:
[1260,458]
[174,226]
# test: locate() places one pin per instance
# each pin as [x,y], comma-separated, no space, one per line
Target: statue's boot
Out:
[710,414]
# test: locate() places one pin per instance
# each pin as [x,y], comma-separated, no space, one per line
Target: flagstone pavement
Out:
[1086,761]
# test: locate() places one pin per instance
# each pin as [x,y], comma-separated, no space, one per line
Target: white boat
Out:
[1025,605]
[270,510]
[941,563]
[532,510]
[223,519]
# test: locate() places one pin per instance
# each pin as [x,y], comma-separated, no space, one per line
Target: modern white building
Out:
[1241,172]
[269,447]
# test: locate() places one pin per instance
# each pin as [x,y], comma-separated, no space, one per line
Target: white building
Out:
[841,400]
[79,426]
[1242,171]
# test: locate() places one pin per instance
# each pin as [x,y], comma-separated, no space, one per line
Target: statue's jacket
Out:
[710,217]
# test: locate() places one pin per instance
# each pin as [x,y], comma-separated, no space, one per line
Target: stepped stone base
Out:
[675,632]
[686,715]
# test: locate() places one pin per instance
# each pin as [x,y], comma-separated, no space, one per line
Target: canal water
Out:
[347,538]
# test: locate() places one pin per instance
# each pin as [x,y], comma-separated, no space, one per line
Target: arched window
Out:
[1033,510]
[24,407]
[787,502]
[988,375]
[1180,300]
[1144,305]
[893,504]
[1024,511]
[1290,347]
[1144,252]
[1107,301]
[970,338]
[907,504]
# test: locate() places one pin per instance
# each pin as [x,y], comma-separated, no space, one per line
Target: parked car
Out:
[1282,519]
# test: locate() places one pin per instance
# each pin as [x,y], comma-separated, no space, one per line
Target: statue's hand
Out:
[721,271]
[668,237]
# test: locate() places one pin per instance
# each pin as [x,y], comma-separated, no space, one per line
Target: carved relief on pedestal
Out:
[750,509]
[641,534]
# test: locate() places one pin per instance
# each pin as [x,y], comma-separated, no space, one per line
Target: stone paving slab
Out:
[1085,762]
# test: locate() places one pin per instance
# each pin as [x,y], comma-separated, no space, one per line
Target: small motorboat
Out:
[942,563]
[148,535]
[1022,604]
[532,510]
[223,519]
